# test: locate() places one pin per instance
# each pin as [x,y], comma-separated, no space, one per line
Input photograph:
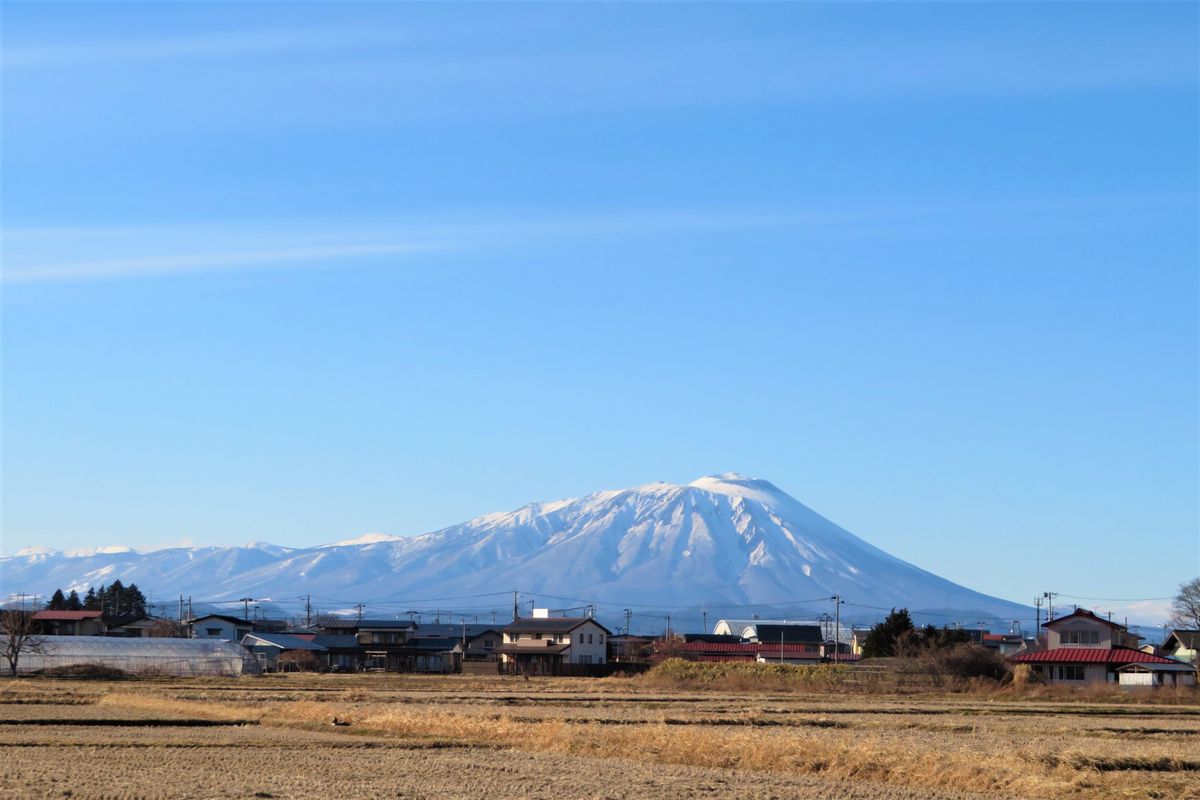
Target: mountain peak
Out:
[722,540]
[735,484]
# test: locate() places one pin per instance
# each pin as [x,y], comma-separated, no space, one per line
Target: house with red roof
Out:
[70,623]
[1083,649]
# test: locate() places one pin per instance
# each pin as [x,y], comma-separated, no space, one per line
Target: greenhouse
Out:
[182,657]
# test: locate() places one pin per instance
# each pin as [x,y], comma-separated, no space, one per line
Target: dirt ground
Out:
[446,737]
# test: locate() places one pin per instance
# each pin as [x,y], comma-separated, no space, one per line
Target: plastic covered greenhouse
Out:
[184,657]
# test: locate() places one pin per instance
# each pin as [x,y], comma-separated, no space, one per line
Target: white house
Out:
[544,646]
[220,626]
[1083,648]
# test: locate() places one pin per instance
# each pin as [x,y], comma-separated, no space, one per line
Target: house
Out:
[712,638]
[384,643]
[550,645]
[438,654]
[220,626]
[268,648]
[858,637]
[1004,643]
[1083,649]
[770,630]
[1182,645]
[479,641]
[342,651]
[623,647]
[137,624]
[70,623]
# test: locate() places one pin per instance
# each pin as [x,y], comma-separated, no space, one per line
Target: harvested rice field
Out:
[369,736]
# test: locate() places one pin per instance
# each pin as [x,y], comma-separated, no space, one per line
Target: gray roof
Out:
[284,641]
[337,641]
[789,634]
[354,624]
[1187,638]
[453,631]
[436,644]
[550,625]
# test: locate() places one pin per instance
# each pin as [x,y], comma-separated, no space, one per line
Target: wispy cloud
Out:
[89,253]
[57,254]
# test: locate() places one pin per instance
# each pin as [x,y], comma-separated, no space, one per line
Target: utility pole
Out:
[705,614]
[780,644]
[191,617]
[837,627]
[1037,621]
[359,606]
[1049,604]
[668,626]
[307,611]
[628,619]
[516,607]
[246,601]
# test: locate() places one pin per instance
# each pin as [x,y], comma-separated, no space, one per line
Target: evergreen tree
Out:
[58,602]
[135,601]
[73,602]
[881,641]
[91,601]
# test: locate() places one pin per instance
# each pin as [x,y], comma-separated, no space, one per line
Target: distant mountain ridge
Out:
[720,541]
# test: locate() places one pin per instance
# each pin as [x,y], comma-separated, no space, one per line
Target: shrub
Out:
[966,661]
[101,672]
[738,675]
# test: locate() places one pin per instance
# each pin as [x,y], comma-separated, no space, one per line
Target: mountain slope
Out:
[723,540]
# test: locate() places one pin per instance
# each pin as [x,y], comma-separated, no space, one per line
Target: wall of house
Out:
[589,644]
[217,629]
[1092,673]
[1054,635]
[484,645]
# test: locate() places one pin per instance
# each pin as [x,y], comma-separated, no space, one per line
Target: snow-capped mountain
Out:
[723,541]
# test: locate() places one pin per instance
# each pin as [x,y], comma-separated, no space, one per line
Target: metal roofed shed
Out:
[178,657]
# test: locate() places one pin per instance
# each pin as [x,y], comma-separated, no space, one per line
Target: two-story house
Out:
[1082,649]
[551,645]
[384,643]
[220,626]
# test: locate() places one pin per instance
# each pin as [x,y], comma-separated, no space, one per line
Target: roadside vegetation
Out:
[770,729]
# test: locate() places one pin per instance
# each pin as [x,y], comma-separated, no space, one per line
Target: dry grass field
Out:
[467,736]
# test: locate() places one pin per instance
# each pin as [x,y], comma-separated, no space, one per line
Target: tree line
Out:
[113,600]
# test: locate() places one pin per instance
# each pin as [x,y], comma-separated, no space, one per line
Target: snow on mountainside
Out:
[720,540]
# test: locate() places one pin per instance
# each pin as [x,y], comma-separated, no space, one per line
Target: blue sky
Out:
[299,273]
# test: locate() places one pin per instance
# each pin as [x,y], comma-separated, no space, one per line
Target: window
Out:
[581,638]
[212,631]
[1080,637]
[589,638]
[585,660]
[1071,672]
[537,636]
[488,644]
[602,638]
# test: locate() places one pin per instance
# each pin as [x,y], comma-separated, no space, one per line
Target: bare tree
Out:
[19,634]
[1185,612]
[163,628]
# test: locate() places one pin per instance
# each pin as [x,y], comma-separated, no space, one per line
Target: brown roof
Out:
[1189,639]
[1088,615]
[550,625]
[513,649]
[73,616]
